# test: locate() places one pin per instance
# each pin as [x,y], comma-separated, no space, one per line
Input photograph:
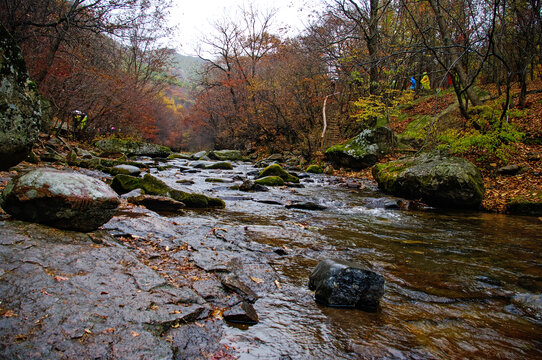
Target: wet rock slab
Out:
[63,296]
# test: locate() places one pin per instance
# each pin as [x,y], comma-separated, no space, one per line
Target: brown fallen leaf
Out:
[278,284]
[257,280]
[135,334]
[10,313]
[61,278]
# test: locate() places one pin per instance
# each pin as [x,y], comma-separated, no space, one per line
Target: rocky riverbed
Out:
[233,282]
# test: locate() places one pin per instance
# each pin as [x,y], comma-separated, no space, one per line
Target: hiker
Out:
[79,121]
[425,81]
[412,83]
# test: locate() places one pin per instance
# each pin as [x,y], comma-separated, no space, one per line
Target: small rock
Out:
[309,205]
[242,313]
[509,170]
[530,304]
[157,203]
[233,283]
[343,284]
[126,170]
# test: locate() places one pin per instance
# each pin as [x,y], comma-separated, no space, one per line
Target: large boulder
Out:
[60,198]
[154,186]
[343,284]
[363,150]
[132,148]
[225,155]
[20,111]
[277,170]
[440,181]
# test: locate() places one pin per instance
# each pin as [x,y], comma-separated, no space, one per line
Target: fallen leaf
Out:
[257,280]
[278,284]
[88,331]
[61,278]
[135,334]
[10,313]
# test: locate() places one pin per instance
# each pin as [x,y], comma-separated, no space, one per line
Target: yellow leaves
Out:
[257,280]
[277,284]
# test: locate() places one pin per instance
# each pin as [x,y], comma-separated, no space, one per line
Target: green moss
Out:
[270,181]
[315,169]
[154,186]
[416,130]
[220,166]
[385,174]
[214,180]
[196,200]
[277,170]
[179,156]
[125,183]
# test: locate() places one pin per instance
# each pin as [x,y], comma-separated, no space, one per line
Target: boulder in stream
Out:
[343,284]
[60,198]
[20,109]
[277,170]
[270,181]
[157,203]
[133,148]
[154,186]
[225,155]
[363,150]
[440,181]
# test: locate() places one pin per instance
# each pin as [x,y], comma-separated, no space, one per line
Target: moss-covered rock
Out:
[270,181]
[277,170]
[530,207]
[220,166]
[179,156]
[134,148]
[315,169]
[214,180]
[154,186]
[225,155]
[440,181]
[20,109]
[363,150]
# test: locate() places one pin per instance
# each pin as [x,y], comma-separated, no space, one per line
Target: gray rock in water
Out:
[126,170]
[20,110]
[363,150]
[307,205]
[440,181]
[242,313]
[63,199]
[157,203]
[343,284]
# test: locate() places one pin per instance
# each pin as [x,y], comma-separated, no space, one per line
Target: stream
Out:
[450,276]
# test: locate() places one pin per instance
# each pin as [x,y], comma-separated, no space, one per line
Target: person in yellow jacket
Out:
[425,81]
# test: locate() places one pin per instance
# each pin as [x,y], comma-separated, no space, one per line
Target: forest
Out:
[261,90]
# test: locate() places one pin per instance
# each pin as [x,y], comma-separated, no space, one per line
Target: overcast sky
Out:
[194,17]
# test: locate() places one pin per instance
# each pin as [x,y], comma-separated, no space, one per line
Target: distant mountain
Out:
[186,68]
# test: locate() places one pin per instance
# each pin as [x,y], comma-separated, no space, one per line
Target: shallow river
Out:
[450,276]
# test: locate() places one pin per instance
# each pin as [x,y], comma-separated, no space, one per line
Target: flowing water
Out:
[450,276]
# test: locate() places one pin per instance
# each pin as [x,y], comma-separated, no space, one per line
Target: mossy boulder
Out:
[277,170]
[132,148]
[314,169]
[20,108]
[441,181]
[270,181]
[225,155]
[529,207]
[220,166]
[363,150]
[154,186]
